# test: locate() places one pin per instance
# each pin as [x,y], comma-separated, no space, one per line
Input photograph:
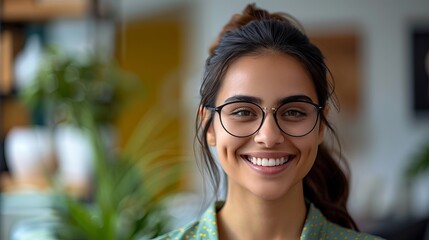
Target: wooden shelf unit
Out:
[15,16]
[32,11]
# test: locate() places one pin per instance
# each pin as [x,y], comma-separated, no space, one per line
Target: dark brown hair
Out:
[255,31]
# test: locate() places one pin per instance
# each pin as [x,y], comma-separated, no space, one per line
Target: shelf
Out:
[25,11]
[13,94]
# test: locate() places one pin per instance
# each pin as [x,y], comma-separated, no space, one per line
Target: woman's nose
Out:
[269,134]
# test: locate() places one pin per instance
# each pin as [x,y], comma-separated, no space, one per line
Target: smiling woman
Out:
[264,103]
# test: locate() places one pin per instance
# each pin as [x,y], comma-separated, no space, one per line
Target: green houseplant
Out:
[130,184]
[65,83]
[131,189]
[419,164]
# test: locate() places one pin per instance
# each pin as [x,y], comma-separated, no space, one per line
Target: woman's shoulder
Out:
[187,232]
[204,228]
[318,226]
[334,231]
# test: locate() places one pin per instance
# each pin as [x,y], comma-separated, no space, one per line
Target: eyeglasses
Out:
[243,119]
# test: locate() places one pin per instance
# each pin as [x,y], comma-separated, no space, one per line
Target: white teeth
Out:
[264,162]
[268,162]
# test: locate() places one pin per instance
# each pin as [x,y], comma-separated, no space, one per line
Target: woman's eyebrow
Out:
[257,100]
[295,98]
[243,98]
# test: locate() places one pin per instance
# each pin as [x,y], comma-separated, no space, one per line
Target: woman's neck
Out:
[245,216]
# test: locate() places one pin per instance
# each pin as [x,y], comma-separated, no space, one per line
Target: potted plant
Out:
[63,88]
[130,184]
[131,190]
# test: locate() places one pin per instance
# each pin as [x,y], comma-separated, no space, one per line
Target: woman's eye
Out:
[243,113]
[294,113]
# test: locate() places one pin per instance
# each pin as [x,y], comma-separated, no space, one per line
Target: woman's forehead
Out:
[269,77]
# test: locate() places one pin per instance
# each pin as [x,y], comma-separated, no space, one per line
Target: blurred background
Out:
[378,52]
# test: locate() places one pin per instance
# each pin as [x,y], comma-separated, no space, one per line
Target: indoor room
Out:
[99,101]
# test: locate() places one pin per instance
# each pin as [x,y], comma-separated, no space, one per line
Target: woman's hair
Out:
[257,31]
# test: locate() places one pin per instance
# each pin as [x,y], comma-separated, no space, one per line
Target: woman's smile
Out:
[268,164]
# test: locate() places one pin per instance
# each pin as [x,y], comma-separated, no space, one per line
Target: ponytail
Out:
[327,187]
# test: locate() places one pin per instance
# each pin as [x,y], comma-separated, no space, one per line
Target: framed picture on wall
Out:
[420,68]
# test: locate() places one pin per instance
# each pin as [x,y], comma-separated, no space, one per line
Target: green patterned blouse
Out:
[316,227]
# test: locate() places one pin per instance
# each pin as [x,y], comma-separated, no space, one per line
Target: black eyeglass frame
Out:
[218,109]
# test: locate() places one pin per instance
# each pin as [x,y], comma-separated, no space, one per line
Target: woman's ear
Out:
[322,125]
[205,115]
[211,137]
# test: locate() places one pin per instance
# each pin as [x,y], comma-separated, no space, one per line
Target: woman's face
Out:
[267,79]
